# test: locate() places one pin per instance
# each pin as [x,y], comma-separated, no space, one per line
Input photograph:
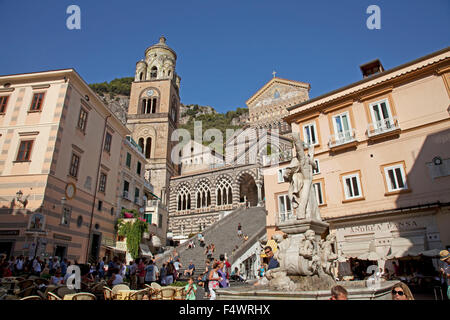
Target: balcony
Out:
[383,128]
[125,195]
[342,140]
[277,158]
[148,186]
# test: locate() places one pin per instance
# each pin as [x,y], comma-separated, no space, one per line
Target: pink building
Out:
[59,166]
[382,146]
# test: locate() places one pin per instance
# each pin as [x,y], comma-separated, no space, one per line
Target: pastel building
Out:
[61,166]
[382,146]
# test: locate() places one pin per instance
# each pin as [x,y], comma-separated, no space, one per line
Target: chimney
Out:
[371,68]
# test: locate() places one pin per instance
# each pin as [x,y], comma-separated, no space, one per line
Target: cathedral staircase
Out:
[224,236]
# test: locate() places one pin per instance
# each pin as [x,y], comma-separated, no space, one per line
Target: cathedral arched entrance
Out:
[248,190]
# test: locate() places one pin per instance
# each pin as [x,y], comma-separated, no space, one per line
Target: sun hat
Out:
[444,255]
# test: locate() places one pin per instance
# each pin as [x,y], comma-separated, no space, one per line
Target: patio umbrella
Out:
[372,255]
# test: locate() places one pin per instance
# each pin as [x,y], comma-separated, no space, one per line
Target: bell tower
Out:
[153,112]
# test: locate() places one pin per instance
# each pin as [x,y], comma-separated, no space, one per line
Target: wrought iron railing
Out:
[342,138]
[382,126]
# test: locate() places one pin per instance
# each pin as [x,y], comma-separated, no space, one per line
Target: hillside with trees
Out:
[116,95]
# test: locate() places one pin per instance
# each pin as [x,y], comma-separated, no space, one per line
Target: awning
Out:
[114,249]
[145,250]
[271,243]
[433,253]
[156,241]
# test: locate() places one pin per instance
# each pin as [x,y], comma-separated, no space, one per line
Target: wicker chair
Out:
[180,294]
[119,287]
[155,285]
[25,284]
[32,298]
[107,293]
[52,296]
[29,291]
[168,293]
[139,295]
[84,296]
[63,290]
[155,294]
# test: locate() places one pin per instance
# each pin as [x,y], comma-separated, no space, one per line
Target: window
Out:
[183,198]
[128,163]
[317,169]
[284,207]
[395,178]
[36,102]
[3,103]
[108,140]
[154,73]
[74,165]
[148,218]
[65,217]
[319,194]
[126,187]
[100,205]
[224,191]
[138,168]
[102,186]
[381,114]
[25,148]
[82,119]
[310,134]
[352,186]
[136,196]
[148,148]
[281,174]
[342,128]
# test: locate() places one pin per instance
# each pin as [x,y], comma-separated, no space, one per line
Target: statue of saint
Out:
[299,175]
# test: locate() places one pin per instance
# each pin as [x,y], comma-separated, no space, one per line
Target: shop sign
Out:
[385,226]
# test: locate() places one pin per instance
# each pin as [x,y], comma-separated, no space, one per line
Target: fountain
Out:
[307,263]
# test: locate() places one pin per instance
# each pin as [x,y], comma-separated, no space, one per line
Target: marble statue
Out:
[306,261]
[299,175]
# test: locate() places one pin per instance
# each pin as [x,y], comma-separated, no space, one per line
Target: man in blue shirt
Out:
[273,263]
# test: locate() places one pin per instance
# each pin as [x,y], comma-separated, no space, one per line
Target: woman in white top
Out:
[214,279]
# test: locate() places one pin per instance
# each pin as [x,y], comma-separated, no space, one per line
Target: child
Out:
[190,289]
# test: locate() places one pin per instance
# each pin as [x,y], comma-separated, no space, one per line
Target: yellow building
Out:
[382,146]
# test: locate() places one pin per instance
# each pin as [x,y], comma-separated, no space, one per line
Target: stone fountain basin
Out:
[357,290]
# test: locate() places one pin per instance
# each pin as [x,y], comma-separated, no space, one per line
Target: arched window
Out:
[153,105]
[183,198]
[148,148]
[169,73]
[141,76]
[224,192]
[203,195]
[144,106]
[154,73]
[141,144]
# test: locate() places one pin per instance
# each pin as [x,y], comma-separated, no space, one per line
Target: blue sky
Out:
[226,50]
